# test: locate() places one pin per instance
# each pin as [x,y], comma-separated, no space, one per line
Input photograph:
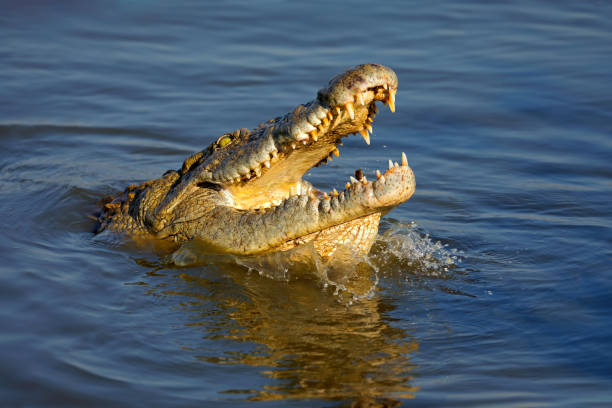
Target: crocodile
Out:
[244,194]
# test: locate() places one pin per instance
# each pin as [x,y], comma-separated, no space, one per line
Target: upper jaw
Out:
[345,106]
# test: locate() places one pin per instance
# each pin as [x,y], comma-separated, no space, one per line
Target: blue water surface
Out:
[490,287]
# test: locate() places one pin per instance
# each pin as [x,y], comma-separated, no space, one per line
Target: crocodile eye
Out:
[224,141]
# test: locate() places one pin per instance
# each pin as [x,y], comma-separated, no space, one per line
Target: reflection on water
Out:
[308,344]
[317,329]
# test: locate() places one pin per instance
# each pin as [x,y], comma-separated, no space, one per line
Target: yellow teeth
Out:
[391,99]
[338,110]
[364,133]
[350,110]
[404,159]
[378,175]
[348,185]
[360,98]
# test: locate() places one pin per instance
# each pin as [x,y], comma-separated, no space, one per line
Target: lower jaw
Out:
[357,235]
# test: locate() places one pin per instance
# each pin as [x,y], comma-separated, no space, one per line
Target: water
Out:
[490,287]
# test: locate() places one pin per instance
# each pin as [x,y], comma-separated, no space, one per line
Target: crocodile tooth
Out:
[274,154]
[350,110]
[336,152]
[347,185]
[325,121]
[364,180]
[396,165]
[390,164]
[365,135]
[353,180]
[385,86]
[359,97]
[305,142]
[258,171]
[267,164]
[382,179]
[301,136]
[247,176]
[338,110]
[335,192]
[378,175]
[314,136]
[293,146]
[391,99]
[325,196]
[404,159]
[330,116]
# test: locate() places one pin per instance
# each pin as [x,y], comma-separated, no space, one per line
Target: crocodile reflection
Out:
[311,345]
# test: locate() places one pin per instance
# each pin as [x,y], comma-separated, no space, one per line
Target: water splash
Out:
[400,248]
[410,248]
[349,274]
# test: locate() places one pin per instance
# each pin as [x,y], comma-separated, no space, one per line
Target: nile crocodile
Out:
[244,194]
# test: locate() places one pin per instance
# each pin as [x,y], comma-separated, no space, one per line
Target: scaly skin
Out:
[244,194]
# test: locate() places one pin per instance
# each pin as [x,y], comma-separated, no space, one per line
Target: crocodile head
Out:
[245,193]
